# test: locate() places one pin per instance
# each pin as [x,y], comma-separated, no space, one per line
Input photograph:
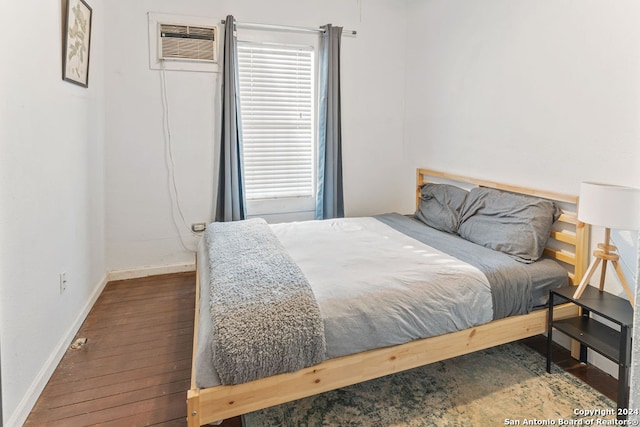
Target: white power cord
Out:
[171,166]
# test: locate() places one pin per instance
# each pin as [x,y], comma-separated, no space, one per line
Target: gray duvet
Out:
[516,288]
[369,302]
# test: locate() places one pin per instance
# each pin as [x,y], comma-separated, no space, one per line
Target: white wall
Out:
[539,93]
[140,228]
[52,193]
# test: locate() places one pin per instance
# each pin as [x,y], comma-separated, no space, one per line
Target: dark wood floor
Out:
[136,365]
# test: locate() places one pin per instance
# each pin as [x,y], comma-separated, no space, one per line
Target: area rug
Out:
[505,385]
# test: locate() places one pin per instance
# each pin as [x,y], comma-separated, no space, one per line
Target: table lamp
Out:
[608,206]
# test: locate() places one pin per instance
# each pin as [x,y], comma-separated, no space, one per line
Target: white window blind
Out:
[277,108]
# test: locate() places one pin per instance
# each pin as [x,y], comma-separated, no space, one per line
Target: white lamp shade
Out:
[611,206]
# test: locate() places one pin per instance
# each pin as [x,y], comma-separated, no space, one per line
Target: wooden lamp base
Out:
[606,253]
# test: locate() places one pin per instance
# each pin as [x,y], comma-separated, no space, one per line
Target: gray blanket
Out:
[265,317]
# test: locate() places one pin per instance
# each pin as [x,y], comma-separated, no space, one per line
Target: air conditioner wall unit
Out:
[187,42]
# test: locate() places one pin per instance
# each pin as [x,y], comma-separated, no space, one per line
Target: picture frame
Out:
[77,42]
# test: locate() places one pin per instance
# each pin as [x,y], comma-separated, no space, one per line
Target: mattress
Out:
[390,279]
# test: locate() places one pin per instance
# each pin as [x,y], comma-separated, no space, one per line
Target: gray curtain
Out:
[231,203]
[329,198]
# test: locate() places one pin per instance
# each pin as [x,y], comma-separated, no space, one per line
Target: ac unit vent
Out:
[185,42]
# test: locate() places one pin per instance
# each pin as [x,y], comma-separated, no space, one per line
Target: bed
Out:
[470,312]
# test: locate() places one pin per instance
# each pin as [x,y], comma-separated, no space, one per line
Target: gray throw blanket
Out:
[266,319]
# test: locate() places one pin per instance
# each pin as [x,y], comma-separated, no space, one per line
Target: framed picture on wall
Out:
[77,42]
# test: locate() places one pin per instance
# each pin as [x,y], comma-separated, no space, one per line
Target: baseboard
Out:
[137,273]
[30,398]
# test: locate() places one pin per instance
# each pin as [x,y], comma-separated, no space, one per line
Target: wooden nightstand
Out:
[611,343]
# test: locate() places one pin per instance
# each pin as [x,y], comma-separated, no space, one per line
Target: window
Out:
[277,104]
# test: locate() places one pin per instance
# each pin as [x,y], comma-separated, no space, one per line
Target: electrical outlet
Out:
[63,282]
[199,227]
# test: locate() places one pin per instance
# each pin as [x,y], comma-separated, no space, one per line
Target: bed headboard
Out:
[569,239]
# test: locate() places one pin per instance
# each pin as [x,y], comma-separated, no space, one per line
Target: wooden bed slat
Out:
[560,255]
[196,322]
[569,218]
[583,232]
[229,401]
[565,237]
[492,184]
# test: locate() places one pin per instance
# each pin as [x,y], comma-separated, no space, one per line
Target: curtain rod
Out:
[287,28]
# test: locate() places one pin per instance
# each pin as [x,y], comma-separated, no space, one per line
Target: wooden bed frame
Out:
[568,244]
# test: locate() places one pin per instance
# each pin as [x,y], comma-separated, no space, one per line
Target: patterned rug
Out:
[505,385]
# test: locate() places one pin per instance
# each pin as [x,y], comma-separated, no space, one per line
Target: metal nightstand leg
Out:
[623,371]
[549,332]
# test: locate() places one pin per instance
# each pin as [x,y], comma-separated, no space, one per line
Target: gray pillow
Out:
[515,224]
[440,206]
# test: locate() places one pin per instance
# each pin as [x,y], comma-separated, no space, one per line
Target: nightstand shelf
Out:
[595,335]
[592,334]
